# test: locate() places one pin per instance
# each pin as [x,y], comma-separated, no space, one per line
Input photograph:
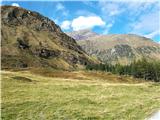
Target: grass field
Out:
[76,96]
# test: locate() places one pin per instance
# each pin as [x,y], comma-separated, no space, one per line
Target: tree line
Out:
[139,69]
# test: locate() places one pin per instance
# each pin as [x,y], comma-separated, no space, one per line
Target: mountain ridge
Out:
[121,48]
[82,34]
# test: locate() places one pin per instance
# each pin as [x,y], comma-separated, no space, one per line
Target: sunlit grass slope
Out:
[28,96]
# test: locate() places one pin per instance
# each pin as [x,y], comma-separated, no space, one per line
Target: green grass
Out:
[28,96]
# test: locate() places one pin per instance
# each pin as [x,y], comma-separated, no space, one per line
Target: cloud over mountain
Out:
[15,4]
[87,22]
[82,22]
[66,25]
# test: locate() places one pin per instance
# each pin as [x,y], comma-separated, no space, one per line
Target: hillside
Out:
[121,48]
[32,40]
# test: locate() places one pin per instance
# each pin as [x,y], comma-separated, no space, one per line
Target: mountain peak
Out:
[82,34]
[20,16]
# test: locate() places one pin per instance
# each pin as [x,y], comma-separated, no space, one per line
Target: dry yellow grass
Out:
[70,95]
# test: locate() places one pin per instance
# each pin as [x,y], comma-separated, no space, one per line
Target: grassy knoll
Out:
[76,96]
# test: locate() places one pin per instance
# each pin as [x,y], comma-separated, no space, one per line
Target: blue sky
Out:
[140,17]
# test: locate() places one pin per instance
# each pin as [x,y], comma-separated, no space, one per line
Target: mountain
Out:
[82,34]
[32,40]
[121,48]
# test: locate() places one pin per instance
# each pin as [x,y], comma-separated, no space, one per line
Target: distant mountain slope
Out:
[121,48]
[32,40]
[82,34]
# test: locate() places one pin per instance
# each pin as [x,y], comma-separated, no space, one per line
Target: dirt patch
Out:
[19,78]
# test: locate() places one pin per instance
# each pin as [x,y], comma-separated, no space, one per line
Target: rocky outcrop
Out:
[22,43]
[45,53]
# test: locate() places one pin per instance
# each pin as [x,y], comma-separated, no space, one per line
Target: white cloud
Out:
[82,22]
[108,27]
[89,3]
[85,13]
[115,12]
[15,4]
[153,34]
[140,1]
[147,23]
[65,12]
[110,8]
[132,7]
[133,11]
[59,6]
[66,25]
[136,8]
[55,20]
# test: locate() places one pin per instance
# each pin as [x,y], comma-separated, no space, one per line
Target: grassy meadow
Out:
[76,95]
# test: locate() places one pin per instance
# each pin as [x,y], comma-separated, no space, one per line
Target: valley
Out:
[49,74]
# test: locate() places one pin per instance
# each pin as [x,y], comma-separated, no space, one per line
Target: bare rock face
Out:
[32,40]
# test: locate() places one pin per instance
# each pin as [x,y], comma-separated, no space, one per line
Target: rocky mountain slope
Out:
[82,34]
[121,48]
[32,40]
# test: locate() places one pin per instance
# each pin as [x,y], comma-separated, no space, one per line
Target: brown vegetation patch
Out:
[19,78]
